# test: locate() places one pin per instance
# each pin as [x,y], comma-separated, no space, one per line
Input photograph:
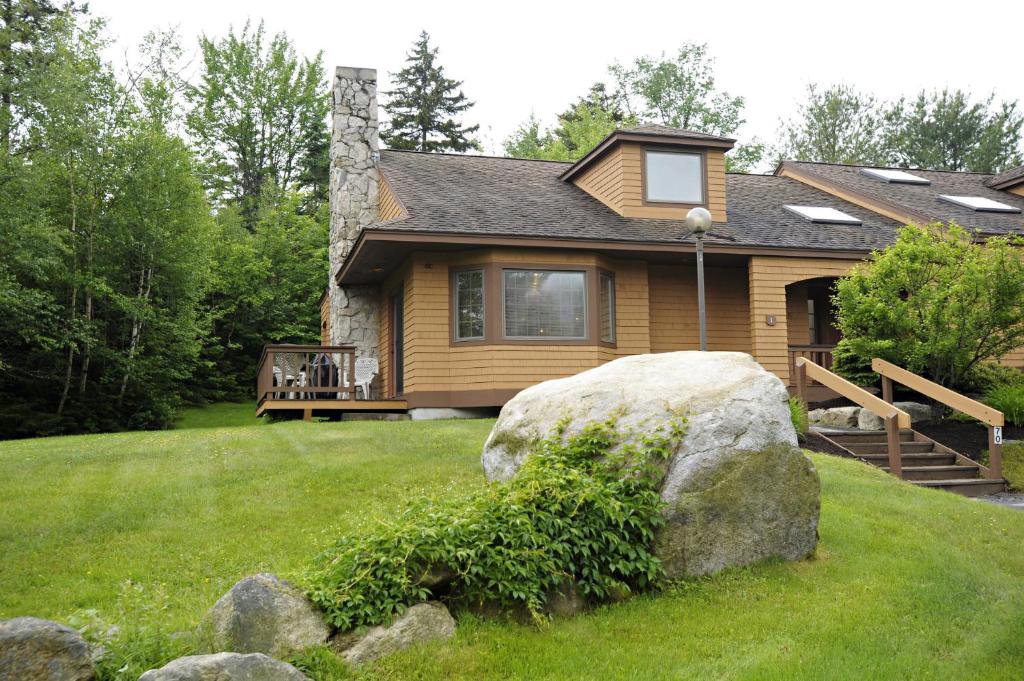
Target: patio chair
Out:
[367,369]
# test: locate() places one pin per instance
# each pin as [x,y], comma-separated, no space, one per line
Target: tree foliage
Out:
[108,226]
[123,293]
[947,131]
[944,130]
[425,106]
[835,125]
[936,302]
[258,117]
[677,91]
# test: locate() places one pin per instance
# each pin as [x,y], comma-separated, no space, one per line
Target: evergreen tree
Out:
[836,124]
[425,105]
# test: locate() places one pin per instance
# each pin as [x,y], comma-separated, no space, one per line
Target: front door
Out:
[823,320]
[397,349]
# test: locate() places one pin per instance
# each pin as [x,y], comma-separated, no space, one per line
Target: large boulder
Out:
[737,489]
[265,614]
[225,667]
[33,649]
[419,624]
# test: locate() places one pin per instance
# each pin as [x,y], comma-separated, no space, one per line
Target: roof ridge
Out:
[861,165]
[458,155]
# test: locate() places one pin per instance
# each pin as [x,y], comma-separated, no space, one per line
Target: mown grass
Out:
[906,583]
[221,415]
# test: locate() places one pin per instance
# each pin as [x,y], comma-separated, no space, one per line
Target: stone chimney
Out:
[354,179]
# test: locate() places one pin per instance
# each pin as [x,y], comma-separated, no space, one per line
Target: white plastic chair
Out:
[367,369]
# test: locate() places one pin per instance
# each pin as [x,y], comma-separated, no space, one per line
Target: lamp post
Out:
[698,220]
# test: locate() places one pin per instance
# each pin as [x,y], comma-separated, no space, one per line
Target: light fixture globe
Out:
[698,220]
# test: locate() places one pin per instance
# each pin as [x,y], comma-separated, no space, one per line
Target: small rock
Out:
[420,623]
[840,417]
[225,667]
[566,601]
[867,420]
[264,614]
[32,649]
[814,415]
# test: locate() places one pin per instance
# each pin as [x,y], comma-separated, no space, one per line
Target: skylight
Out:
[823,214]
[979,203]
[893,176]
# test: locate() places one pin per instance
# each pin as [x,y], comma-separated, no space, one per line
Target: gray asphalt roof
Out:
[924,199]
[481,195]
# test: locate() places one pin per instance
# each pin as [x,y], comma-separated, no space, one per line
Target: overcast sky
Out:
[518,57]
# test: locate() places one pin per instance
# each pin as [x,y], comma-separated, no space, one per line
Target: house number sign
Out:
[997,434]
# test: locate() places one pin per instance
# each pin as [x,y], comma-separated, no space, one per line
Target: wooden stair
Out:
[925,463]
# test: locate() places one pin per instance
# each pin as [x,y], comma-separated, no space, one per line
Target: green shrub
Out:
[1013,465]
[581,512]
[986,375]
[798,414]
[1009,399]
[936,302]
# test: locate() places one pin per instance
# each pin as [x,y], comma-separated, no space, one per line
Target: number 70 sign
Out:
[997,435]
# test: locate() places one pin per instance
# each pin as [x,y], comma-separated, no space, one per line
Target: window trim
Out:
[691,151]
[453,284]
[613,317]
[554,339]
[494,321]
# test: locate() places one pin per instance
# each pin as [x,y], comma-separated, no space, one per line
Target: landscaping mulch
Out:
[970,438]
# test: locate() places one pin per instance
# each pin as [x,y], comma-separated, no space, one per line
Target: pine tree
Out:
[424,106]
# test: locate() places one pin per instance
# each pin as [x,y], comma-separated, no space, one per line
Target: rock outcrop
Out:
[737,489]
[225,667]
[419,624]
[264,614]
[33,649]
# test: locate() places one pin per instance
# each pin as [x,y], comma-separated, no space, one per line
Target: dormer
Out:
[1011,181]
[653,171]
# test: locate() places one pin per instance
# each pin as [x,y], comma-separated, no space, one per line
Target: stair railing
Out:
[894,418]
[993,418]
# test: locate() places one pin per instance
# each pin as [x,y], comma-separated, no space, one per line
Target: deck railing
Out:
[894,417]
[993,418]
[306,372]
[819,354]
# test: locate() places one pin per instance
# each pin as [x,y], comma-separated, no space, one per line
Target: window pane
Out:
[607,308]
[545,304]
[469,304]
[674,177]
[812,322]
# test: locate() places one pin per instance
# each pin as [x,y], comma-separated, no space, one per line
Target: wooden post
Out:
[892,432]
[995,455]
[887,389]
[801,380]
[352,374]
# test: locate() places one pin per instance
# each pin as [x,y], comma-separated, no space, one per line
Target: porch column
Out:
[769,342]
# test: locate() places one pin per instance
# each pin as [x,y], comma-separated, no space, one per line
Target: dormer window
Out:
[674,177]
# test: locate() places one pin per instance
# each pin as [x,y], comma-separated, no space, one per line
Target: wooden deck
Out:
[330,407]
[316,380]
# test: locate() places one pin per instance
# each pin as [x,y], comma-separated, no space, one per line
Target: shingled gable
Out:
[1012,181]
[616,171]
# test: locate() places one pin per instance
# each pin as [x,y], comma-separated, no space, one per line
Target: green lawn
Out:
[223,415]
[907,582]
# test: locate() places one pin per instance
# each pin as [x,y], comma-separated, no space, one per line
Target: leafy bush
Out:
[1009,399]
[582,512]
[1013,465]
[936,302]
[986,375]
[798,414]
